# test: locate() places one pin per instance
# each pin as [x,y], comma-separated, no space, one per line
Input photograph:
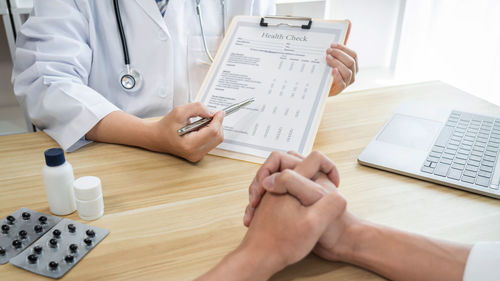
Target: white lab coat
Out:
[69,59]
[482,263]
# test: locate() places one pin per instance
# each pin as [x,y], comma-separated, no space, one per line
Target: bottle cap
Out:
[54,157]
[87,188]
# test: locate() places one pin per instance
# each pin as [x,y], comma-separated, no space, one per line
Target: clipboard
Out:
[275,23]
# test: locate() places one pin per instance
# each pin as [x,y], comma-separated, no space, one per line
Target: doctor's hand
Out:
[192,146]
[344,63]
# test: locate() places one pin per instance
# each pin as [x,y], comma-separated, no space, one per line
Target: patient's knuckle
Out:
[275,154]
[340,201]
[316,154]
[311,221]
[285,176]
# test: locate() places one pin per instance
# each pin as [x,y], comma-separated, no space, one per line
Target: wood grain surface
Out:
[172,220]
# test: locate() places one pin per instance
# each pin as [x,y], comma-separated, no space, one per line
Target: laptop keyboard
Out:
[466,149]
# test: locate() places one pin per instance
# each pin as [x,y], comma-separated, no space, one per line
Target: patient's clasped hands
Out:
[310,185]
[295,208]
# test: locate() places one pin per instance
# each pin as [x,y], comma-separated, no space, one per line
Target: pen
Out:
[202,122]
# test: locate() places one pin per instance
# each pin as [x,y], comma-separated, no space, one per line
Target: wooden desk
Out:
[171,220]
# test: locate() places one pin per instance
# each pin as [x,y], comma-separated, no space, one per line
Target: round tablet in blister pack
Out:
[55,253]
[19,229]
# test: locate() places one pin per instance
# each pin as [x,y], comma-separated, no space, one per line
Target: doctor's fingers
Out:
[217,126]
[302,188]
[212,133]
[276,162]
[317,163]
[347,74]
[198,143]
[350,53]
[182,113]
[210,144]
[338,83]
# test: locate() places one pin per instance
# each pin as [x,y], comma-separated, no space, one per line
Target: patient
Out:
[295,208]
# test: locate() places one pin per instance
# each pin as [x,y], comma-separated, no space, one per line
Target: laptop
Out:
[455,148]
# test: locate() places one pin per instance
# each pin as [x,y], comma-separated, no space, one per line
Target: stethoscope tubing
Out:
[203,37]
[123,38]
[126,57]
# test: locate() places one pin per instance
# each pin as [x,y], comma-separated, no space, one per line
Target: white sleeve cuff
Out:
[483,263]
[79,144]
[70,135]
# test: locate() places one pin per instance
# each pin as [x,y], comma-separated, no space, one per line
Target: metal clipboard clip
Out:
[303,26]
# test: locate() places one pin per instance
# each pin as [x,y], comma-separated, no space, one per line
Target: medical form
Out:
[283,67]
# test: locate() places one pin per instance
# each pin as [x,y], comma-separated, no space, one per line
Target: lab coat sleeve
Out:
[483,262]
[264,8]
[51,69]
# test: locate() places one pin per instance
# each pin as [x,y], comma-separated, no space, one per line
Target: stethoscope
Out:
[200,20]
[130,78]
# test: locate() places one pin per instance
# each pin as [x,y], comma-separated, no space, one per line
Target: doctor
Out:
[91,70]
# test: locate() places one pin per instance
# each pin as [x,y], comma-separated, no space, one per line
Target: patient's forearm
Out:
[242,264]
[399,255]
[123,128]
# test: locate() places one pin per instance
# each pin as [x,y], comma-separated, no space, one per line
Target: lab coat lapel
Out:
[152,10]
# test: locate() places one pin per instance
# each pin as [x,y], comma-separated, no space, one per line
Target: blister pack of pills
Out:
[55,253]
[20,229]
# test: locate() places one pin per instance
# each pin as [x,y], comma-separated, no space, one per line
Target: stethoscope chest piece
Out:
[130,80]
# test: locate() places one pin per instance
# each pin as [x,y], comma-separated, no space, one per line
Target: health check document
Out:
[285,70]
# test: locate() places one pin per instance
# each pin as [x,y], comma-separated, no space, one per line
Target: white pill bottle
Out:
[58,177]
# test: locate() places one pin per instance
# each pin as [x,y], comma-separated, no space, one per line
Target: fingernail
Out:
[334,45]
[245,217]
[268,182]
[329,50]
[330,56]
